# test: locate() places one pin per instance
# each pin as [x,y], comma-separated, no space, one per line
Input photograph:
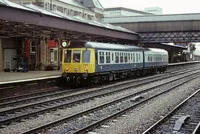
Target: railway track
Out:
[30,110]
[184,118]
[33,97]
[118,107]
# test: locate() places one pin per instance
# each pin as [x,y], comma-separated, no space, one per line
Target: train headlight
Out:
[66,69]
[86,69]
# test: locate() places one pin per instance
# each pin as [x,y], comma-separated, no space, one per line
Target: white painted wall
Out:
[117,13]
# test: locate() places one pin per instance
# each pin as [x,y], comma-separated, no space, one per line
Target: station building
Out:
[88,9]
[43,52]
[121,11]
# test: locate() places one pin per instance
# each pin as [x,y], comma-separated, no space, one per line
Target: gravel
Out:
[144,116]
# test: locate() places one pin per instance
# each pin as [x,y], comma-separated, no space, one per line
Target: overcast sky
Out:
[168,6]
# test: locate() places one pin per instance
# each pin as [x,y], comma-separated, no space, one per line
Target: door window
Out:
[76,56]
[67,56]
[86,56]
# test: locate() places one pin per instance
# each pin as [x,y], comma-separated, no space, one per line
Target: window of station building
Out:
[121,58]
[116,57]
[107,57]
[46,6]
[54,7]
[101,57]
[86,56]
[55,54]
[32,47]
[76,13]
[76,56]
[59,8]
[67,56]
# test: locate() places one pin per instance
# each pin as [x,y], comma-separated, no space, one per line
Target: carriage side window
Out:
[139,57]
[129,57]
[116,57]
[136,57]
[107,57]
[133,57]
[149,58]
[86,56]
[76,56]
[101,55]
[121,58]
[112,56]
[67,56]
[125,57]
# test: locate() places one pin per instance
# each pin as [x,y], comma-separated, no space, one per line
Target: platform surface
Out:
[15,76]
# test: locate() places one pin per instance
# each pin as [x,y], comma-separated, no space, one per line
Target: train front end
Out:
[78,65]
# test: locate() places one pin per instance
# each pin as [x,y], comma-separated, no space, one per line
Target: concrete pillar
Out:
[43,54]
[58,46]
[1,55]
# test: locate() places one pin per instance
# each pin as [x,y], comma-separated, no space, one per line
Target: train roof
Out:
[98,45]
[158,50]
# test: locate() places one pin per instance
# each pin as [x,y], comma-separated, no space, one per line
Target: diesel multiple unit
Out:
[93,62]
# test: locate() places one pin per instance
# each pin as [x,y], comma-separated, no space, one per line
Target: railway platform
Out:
[16,83]
[15,77]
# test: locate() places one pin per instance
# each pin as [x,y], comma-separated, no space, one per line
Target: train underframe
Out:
[87,79]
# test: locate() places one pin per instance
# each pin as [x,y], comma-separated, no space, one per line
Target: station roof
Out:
[74,3]
[165,46]
[22,20]
[152,18]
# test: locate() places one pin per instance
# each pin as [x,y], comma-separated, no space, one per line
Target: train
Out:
[86,62]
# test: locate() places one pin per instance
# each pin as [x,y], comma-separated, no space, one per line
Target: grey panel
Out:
[114,67]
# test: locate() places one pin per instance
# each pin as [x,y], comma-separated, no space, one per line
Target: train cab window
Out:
[101,57]
[107,57]
[76,56]
[116,57]
[67,56]
[121,58]
[86,56]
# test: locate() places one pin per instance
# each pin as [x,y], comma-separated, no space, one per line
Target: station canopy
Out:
[54,24]
[166,46]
